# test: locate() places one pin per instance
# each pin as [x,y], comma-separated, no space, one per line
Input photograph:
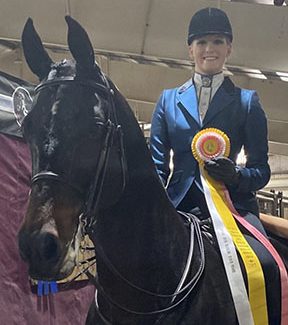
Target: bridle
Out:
[113,131]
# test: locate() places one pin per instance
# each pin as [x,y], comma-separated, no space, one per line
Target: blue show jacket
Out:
[235,111]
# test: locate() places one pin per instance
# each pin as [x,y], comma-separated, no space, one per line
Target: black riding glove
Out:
[224,170]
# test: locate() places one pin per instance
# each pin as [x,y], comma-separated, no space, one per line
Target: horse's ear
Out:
[36,56]
[79,44]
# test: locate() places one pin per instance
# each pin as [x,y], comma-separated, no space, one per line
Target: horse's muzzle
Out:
[42,252]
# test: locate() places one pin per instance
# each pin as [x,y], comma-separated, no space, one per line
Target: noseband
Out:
[112,130]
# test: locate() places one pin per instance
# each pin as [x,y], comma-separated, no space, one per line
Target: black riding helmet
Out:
[209,21]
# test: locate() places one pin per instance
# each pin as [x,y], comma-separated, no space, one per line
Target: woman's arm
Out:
[159,140]
[256,174]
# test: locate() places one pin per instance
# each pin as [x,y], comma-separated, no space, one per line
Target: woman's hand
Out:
[224,170]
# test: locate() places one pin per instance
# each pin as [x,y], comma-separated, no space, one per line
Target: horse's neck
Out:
[143,223]
[142,235]
[147,243]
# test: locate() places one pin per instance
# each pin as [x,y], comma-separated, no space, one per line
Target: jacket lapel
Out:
[187,98]
[223,97]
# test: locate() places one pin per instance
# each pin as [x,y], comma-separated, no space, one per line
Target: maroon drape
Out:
[18,305]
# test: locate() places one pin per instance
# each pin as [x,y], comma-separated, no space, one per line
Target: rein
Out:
[185,290]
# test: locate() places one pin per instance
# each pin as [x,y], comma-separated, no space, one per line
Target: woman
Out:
[208,100]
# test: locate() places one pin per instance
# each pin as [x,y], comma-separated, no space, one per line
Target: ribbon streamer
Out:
[255,276]
[230,260]
[266,243]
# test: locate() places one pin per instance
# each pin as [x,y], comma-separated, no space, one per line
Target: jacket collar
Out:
[213,81]
[187,97]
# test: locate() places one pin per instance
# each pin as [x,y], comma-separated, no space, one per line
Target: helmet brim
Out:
[192,37]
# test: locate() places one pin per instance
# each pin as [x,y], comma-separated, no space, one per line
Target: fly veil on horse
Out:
[93,173]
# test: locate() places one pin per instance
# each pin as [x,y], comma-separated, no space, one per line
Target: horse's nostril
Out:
[48,247]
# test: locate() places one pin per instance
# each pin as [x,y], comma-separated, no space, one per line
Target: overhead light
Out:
[264,2]
[283,76]
[253,73]
[284,79]
[248,70]
[256,75]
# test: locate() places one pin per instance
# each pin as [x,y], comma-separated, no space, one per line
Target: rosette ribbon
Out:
[252,308]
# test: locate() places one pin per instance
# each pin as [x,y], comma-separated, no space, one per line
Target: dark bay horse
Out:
[93,173]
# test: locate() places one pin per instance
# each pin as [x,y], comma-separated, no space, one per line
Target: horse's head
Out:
[74,139]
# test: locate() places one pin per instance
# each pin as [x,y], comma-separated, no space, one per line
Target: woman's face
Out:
[210,53]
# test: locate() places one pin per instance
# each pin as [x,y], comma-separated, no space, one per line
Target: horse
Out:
[93,174]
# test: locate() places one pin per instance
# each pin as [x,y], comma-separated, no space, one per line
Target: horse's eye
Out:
[98,128]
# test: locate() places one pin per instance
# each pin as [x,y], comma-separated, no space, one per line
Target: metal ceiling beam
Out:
[153,60]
